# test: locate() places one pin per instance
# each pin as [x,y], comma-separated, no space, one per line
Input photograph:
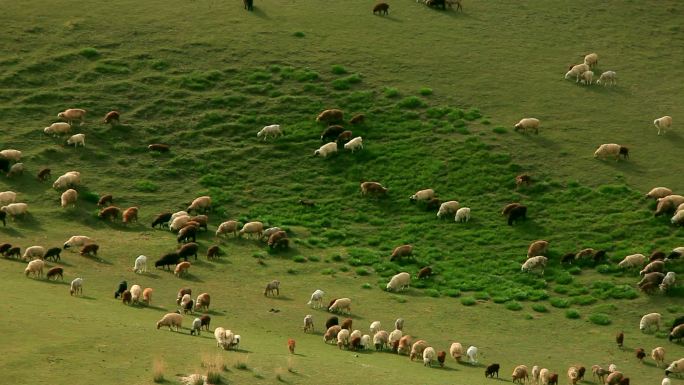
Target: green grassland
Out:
[441,92]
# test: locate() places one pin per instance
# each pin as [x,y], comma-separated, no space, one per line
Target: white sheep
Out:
[171,320]
[462,215]
[399,282]
[76,288]
[220,335]
[326,150]
[354,144]
[375,327]
[34,252]
[203,202]
[250,228]
[76,140]
[227,227]
[423,195]
[316,300]
[355,334]
[7,197]
[666,381]
[472,354]
[71,178]
[612,368]
[58,128]
[14,209]
[544,376]
[537,262]
[456,351]
[308,323]
[658,355]
[535,374]
[185,300]
[69,197]
[179,222]
[678,218]
[448,207]
[341,304]
[675,367]
[399,324]
[272,130]
[659,192]
[140,265]
[270,231]
[429,355]
[77,241]
[394,337]
[380,339]
[235,344]
[16,169]
[634,260]
[72,114]
[591,59]
[576,71]
[668,282]
[611,150]
[677,252]
[10,154]
[35,268]
[136,291]
[343,338]
[607,78]
[649,320]
[663,123]
[587,77]
[366,341]
[196,326]
[178,214]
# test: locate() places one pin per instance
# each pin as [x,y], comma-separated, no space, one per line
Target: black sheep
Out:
[161,219]
[516,213]
[188,249]
[189,306]
[123,286]
[249,4]
[4,164]
[3,216]
[678,321]
[53,253]
[4,248]
[167,260]
[331,133]
[187,233]
[492,370]
[332,321]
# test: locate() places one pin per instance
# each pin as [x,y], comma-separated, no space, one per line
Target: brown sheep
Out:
[105,200]
[358,119]
[127,297]
[373,188]
[522,179]
[345,136]
[553,379]
[347,324]
[202,221]
[275,238]
[4,248]
[291,345]
[130,215]
[328,116]
[161,219]
[620,339]
[188,249]
[181,293]
[441,356]
[355,343]
[90,250]
[381,9]
[640,354]
[159,147]
[54,272]
[111,117]
[401,251]
[181,268]
[205,320]
[111,213]
[213,252]
[657,256]
[44,174]
[332,133]
[147,295]
[13,252]
[425,272]
[187,233]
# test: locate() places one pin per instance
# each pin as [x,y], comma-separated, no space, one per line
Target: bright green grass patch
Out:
[600,319]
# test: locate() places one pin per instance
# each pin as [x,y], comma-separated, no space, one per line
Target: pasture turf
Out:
[441,91]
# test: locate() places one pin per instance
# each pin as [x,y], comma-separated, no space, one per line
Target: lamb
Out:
[76,286]
[404,345]
[573,375]
[4,248]
[357,119]
[538,262]
[15,209]
[399,324]
[611,150]
[11,155]
[308,323]
[341,304]
[401,251]
[347,323]
[140,265]
[376,327]
[634,260]
[399,282]
[381,8]
[54,272]
[331,333]
[599,373]
[181,268]
[196,326]
[607,78]
[182,293]
[33,252]
[78,139]
[130,215]
[676,334]
[537,248]
[272,130]
[332,133]
[89,250]
[213,252]
[491,370]
[659,192]
[188,249]
[9,251]
[326,150]
[354,144]
[167,260]
[516,212]
[76,241]
[373,188]
[331,115]
[456,351]
[111,117]
[472,355]
[525,124]
[69,197]
[203,202]
[576,71]
[58,128]
[272,288]
[136,292]
[429,355]
[422,195]
[105,200]
[425,272]
[675,367]
[520,374]
[7,197]
[159,147]
[345,137]
[591,59]
[203,301]
[343,338]
[291,345]
[227,227]
[649,320]
[171,320]
[656,265]
[69,179]
[35,268]
[366,342]
[17,169]
[417,349]
[316,300]
[147,295]
[250,228]
[658,355]
[72,114]
[43,174]
[206,320]
[126,297]
[587,77]
[668,282]
[663,123]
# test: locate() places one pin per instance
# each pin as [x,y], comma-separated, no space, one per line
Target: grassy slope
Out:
[144,68]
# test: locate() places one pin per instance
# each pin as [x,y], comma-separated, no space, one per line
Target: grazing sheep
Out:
[147,295]
[250,228]
[343,338]
[276,238]
[316,300]
[213,252]
[577,71]
[227,227]
[271,230]
[345,136]
[608,78]
[272,288]
[72,114]
[663,123]
[587,77]
[89,250]
[399,282]
[54,272]
[401,251]
[404,345]
[15,209]
[341,304]
[347,323]
[676,253]
[417,349]
[140,265]
[354,342]
[456,351]
[17,169]
[69,197]
[220,336]
[171,320]
[520,374]
[35,268]
[634,260]
[656,265]
[573,375]
[449,207]
[659,192]
[76,286]
[331,333]
[399,324]
[640,354]
[76,140]
[196,326]
[188,306]
[308,323]
[53,253]
[611,150]
[130,215]
[422,195]
[331,321]
[393,339]
[4,248]
[272,130]
[110,213]
[425,272]
[136,292]
[375,327]
[159,147]
[188,250]
[329,116]
[291,345]
[181,268]
[658,355]
[167,260]
[678,218]
[203,301]
[472,354]
[7,197]
[676,334]
[534,263]
[654,278]
[429,355]
[332,133]
[206,320]
[553,379]
[105,200]
[11,155]
[599,373]
[186,234]
[357,119]
[34,252]
[614,378]
[373,188]
[203,202]
[491,370]
[591,59]
[381,9]
[354,144]
[123,286]
[182,293]
[525,124]
[668,282]
[535,374]
[537,248]
[675,367]
[44,174]
[58,128]
[111,117]
[366,341]
[326,150]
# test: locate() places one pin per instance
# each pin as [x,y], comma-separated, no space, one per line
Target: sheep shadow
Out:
[242,351]
[191,278]
[259,13]
[150,275]
[98,260]
[89,298]
[56,282]
[11,232]
[391,18]
[151,307]
[281,298]
[215,312]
